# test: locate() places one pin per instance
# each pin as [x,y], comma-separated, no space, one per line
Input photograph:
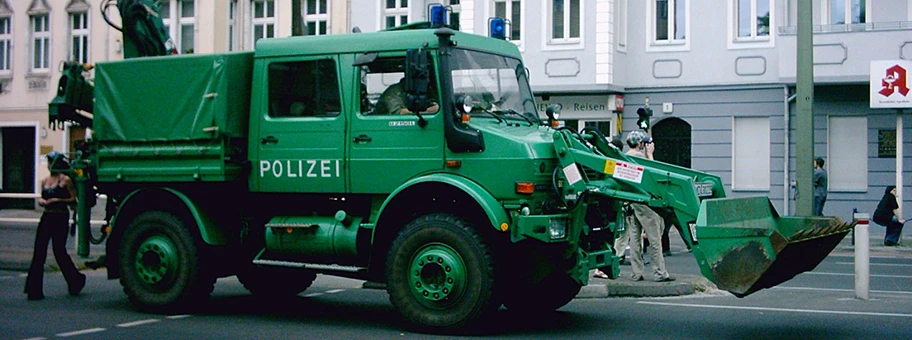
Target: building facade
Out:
[719,76]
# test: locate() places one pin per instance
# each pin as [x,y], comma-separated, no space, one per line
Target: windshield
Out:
[493,83]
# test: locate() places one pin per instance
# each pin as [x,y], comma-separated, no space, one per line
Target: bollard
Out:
[862,256]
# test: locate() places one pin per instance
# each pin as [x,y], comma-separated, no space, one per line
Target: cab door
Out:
[387,149]
[300,141]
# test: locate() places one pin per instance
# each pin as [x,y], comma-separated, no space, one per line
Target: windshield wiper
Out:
[493,114]
[515,113]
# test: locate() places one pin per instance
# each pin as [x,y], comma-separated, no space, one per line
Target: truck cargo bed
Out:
[174,118]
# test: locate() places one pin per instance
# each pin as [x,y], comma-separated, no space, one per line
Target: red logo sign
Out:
[894,81]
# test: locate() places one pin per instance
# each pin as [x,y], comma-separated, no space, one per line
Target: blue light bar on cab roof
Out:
[497,28]
[438,15]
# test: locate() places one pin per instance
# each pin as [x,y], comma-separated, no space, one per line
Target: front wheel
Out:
[160,264]
[440,273]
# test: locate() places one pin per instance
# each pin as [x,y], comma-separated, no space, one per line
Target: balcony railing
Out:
[843,28]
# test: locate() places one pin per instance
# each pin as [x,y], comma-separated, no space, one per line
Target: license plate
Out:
[704,189]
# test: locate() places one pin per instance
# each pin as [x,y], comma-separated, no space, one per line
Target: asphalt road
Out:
[815,305]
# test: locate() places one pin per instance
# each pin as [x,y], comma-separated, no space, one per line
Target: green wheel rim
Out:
[437,275]
[156,260]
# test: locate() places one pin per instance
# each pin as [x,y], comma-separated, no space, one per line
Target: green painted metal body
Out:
[197,133]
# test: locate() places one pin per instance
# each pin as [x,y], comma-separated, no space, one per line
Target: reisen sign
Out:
[890,82]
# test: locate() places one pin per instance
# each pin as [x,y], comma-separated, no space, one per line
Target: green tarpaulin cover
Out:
[187,97]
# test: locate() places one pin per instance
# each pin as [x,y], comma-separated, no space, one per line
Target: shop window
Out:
[751,154]
[847,151]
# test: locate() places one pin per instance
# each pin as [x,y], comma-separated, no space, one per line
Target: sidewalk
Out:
[16,242]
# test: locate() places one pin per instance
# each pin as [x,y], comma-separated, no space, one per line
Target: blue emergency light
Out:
[438,15]
[497,28]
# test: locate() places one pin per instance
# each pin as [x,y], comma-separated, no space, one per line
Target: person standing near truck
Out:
[820,186]
[57,190]
[641,218]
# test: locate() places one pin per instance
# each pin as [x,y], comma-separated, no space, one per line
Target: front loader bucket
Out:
[742,244]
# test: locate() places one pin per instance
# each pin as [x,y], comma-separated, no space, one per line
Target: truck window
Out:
[381,91]
[304,89]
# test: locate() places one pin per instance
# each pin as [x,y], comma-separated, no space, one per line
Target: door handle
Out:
[363,139]
[268,140]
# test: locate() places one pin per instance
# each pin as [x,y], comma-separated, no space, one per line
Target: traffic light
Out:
[643,121]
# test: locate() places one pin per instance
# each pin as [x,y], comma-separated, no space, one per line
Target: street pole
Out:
[899,161]
[804,122]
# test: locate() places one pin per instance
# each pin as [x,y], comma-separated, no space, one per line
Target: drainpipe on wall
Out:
[786,183]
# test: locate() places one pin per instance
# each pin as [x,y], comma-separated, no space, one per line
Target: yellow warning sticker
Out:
[609,167]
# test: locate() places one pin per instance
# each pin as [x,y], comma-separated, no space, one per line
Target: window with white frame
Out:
[847,163]
[752,19]
[455,10]
[751,153]
[316,17]
[512,11]
[232,24]
[79,37]
[669,21]
[263,19]
[395,13]
[6,44]
[846,11]
[179,17]
[565,21]
[622,25]
[41,42]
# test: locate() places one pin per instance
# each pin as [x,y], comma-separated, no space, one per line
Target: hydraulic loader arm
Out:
[741,244]
[593,166]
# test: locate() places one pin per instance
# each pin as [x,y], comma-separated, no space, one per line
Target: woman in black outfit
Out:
[887,215]
[57,191]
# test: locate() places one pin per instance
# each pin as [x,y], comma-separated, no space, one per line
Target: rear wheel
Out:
[440,273]
[160,264]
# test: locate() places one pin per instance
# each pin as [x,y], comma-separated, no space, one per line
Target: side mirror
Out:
[553,113]
[417,79]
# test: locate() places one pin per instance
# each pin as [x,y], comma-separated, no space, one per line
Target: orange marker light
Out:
[289,230]
[466,118]
[525,187]
[504,226]
[453,163]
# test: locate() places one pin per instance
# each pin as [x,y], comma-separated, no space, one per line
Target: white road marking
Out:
[175,317]
[35,339]
[768,309]
[334,291]
[137,323]
[878,264]
[312,295]
[843,290]
[853,274]
[81,332]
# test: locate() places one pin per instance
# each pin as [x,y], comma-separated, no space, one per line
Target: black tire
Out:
[554,292]
[161,264]
[276,282]
[458,252]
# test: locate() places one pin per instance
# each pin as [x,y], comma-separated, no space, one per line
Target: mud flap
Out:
[742,245]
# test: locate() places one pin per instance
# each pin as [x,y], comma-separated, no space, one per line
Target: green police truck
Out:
[413,157]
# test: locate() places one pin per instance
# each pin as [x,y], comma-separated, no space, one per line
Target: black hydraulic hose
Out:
[92,239]
[104,13]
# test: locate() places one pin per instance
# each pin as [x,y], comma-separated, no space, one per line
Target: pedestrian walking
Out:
[57,191]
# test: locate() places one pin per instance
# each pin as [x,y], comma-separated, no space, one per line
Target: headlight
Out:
[558,228]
